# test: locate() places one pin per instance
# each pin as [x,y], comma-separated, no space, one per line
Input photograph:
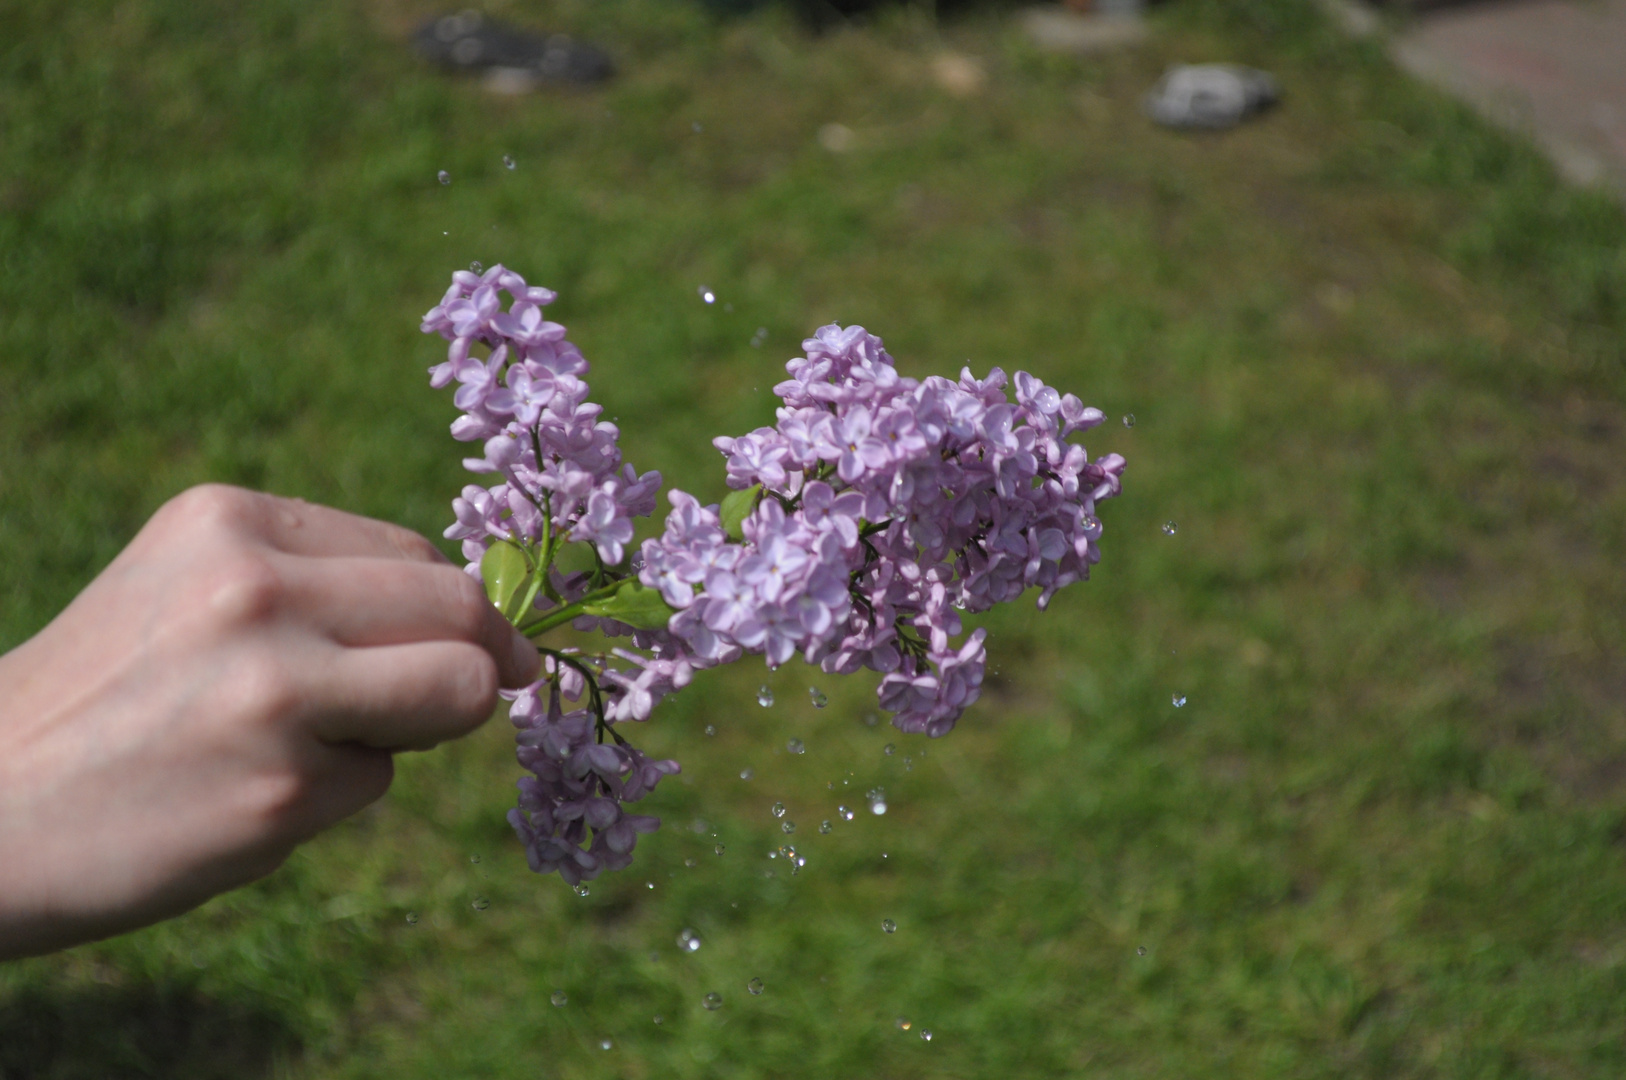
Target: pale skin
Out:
[237,680]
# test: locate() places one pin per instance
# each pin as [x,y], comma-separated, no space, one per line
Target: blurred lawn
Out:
[1376,356]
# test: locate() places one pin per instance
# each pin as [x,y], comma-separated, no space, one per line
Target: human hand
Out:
[234,682]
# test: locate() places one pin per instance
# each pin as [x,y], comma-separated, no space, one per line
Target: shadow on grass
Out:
[155,1031]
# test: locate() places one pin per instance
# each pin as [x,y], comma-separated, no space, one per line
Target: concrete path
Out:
[1554,69]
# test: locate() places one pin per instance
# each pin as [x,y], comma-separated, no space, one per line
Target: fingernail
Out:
[527,661]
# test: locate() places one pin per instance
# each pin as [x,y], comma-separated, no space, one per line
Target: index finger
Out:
[297,527]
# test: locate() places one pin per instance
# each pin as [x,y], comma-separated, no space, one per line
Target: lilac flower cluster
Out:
[561,480]
[876,511]
[887,506]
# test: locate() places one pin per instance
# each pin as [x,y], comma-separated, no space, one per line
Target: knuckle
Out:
[277,799]
[213,506]
[266,691]
[474,688]
[465,602]
[413,546]
[246,588]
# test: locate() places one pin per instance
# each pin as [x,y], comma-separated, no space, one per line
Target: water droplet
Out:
[825,826]
[688,940]
[712,1001]
[788,827]
[877,801]
[1170,528]
[759,337]
[605,1044]
[477,267]
[412,918]
[926,1033]
[796,746]
[871,719]
[1141,951]
[707,295]
[649,884]
[816,696]
[764,696]
[845,813]
[660,1020]
[904,1024]
[581,889]
[787,850]
[746,774]
[690,863]
[508,163]
[1179,700]
[1129,420]
[718,849]
[474,859]
[1090,522]
[778,809]
[755,986]
[558,998]
[889,749]
[480,903]
[711,729]
[444,177]
[908,763]
[889,926]
[694,125]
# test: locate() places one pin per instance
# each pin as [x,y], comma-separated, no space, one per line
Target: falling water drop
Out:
[1141,951]
[778,809]
[1129,420]
[660,1019]
[605,1044]
[889,749]
[558,998]
[877,801]
[477,267]
[707,295]
[825,826]
[444,177]
[764,696]
[412,918]
[889,926]
[712,1001]
[1170,528]
[755,986]
[690,862]
[759,337]
[926,1034]
[719,849]
[689,941]
[480,903]
[711,729]
[474,859]
[904,1024]
[796,746]
[816,696]
[788,827]
[845,813]
[508,163]
[746,774]
[581,889]
[1179,700]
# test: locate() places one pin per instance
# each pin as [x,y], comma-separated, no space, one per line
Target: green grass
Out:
[1376,356]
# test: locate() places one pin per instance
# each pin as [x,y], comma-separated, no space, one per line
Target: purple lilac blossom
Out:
[888,506]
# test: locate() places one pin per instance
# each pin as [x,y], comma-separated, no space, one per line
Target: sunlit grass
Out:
[1374,353]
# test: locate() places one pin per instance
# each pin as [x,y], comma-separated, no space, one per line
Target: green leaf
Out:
[504,571]
[634,605]
[737,506]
